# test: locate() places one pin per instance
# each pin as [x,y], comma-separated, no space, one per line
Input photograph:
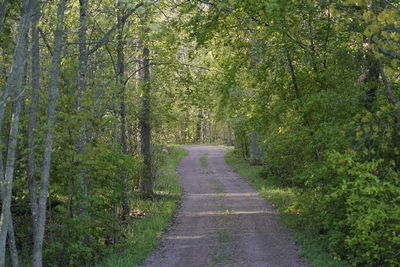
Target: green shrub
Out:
[355,206]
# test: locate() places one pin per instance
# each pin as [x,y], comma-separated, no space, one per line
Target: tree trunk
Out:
[146,184]
[3,13]
[198,126]
[83,61]
[12,245]
[32,125]
[48,143]
[371,80]
[293,74]
[8,176]
[391,96]
[14,82]
[255,150]
[121,88]
[203,128]
[19,59]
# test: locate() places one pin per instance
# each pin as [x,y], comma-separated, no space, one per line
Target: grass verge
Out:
[142,235]
[282,197]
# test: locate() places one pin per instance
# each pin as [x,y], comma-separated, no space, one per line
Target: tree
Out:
[13,87]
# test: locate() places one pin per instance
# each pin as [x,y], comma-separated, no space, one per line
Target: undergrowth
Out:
[142,234]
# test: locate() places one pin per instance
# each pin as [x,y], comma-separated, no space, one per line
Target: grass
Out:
[283,197]
[203,160]
[142,235]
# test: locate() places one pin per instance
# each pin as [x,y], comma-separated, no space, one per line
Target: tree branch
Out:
[389,92]
[165,63]
[107,35]
[389,53]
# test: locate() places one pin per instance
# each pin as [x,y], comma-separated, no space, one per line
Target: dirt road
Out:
[222,221]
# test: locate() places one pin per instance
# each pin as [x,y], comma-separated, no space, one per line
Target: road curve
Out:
[222,220]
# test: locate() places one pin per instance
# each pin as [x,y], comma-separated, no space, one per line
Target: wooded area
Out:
[92,91]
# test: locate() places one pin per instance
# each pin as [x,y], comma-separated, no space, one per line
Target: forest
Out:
[96,95]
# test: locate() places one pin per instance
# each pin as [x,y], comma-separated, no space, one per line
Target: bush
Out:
[355,205]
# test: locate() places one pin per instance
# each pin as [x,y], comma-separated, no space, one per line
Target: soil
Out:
[222,220]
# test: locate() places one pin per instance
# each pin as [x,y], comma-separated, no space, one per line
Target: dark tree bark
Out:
[121,88]
[371,80]
[83,62]
[203,128]
[146,184]
[293,74]
[198,126]
[389,92]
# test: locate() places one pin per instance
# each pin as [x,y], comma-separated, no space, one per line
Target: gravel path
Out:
[222,221]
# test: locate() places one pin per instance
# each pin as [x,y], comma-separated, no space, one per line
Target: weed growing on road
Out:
[223,254]
[217,187]
[282,197]
[143,235]
[203,160]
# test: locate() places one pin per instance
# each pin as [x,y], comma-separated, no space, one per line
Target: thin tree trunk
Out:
[370,78]
[19,59]
[198,126]
[392,98]
[3,12]
[12,245]
[121,88]
[9,176]
[293,74]
[83,61]
[32,115]
[48,143]
[146,184]
[255,150]
[203,128]
[14,81]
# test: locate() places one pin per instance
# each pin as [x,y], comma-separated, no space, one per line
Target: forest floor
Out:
[222,220]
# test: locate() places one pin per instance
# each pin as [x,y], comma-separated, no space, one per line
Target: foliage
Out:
[143,234]
[284,199]
[313,85]
[308,78]
[354,206]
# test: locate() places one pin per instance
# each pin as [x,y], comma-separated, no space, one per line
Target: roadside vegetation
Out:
[284,199]
[142,232]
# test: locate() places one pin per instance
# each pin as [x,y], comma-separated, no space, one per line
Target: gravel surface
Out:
[222,220]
